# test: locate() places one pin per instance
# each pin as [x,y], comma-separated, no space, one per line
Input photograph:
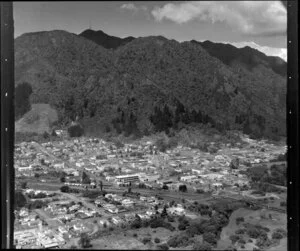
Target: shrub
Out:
[253,232]
[135,235]
[84,241]
[239,220]
[157,240]
[193,230]
[240,231]
[277,236]
[137,223]
[201,246]
[241,241]
[163,246]
[182,226]
[210,238]
[279,231]
[179,241]
[234,238]
[283,204]
[170,218]
[146,240]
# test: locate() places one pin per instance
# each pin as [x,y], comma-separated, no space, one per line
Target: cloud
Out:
[269,51]
[248,17]
[133,7]
[129,6]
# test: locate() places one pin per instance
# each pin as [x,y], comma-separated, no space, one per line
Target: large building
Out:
[128,178]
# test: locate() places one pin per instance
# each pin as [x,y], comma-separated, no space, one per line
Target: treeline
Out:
[22,102]
[276,176]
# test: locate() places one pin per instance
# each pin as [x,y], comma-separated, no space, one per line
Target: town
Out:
[72,191]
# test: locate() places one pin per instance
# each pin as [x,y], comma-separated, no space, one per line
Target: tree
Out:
[75,130]
[65,189]
[234,164]
[163,246]
[85,178]
[19,199]
[181,226]
[22,102]
[84,241]
[62,179]
[234,238]
[24,185]
[239,220]
[201,246]
[165,187]
[46,135]
[164,213]
[146,240]
[101,185]
[182,188]
[157,240]
[210,238]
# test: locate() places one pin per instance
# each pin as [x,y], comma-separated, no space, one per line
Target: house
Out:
[188,178]
[176,210]
[104,222]
[143,198]
[117,220]
[111,208]
[150,213]
[144,216]
[62,230]
[59,165]
[127,203]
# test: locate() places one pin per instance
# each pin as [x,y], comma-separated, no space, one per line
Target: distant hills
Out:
[143,85]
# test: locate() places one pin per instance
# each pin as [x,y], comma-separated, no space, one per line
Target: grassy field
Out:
[45,186]
[38,119]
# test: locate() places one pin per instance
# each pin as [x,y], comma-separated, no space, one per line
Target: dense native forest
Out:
[150,84]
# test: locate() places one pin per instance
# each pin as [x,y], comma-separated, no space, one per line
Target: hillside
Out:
[150,84]
[105,40]
[246,56]
[39,120]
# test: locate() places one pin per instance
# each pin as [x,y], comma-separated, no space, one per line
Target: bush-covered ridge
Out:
[150,84]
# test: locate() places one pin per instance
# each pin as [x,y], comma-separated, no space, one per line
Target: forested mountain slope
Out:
[148,84]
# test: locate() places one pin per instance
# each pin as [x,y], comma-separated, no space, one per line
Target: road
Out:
[43,150]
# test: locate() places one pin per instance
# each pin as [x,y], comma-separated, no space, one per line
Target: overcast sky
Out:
[260,24]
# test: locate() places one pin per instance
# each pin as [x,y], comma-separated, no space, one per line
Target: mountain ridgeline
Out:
[144,85]
[105,40]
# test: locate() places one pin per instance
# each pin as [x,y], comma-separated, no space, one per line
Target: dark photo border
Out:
[7,125]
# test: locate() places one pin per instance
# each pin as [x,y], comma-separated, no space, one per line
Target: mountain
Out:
[150,84]
[105,40]
[247,56]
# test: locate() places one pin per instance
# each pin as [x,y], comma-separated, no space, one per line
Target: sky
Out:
[259,24]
